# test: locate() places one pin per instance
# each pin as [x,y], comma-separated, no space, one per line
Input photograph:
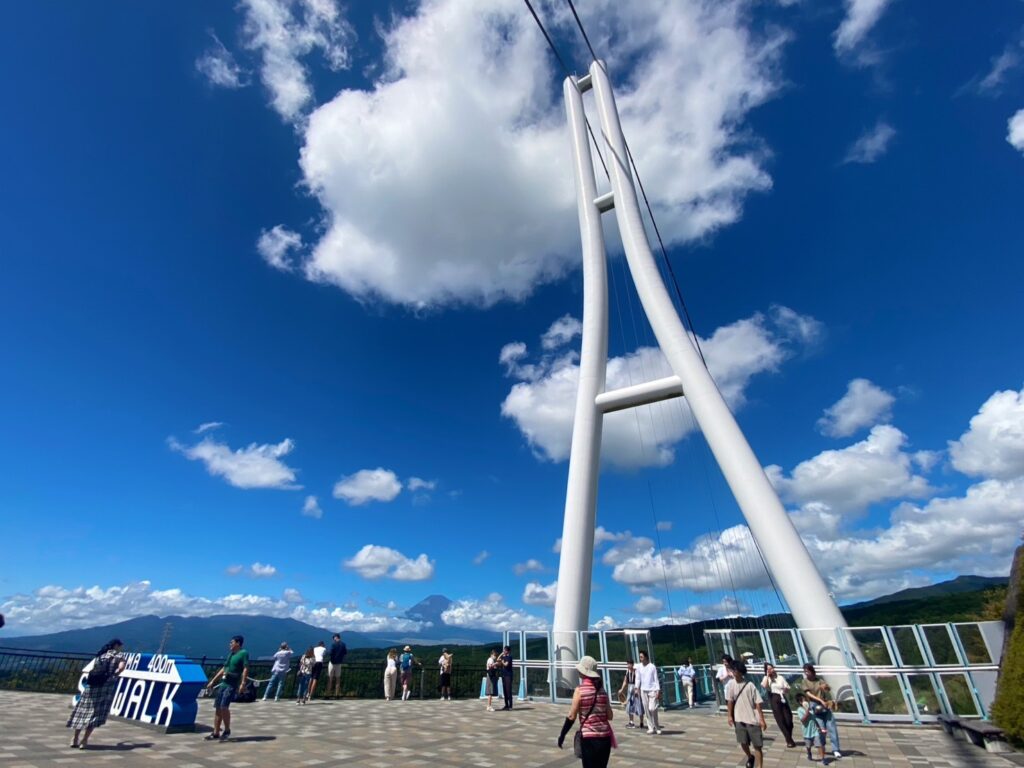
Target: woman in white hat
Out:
[590,702]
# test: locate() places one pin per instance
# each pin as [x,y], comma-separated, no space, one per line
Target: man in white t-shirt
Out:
[723,676]
[319,652]
[650,691]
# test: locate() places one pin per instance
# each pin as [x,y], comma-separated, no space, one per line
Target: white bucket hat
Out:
[588,667]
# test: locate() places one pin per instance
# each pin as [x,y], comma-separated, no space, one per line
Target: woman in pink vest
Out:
[590,702]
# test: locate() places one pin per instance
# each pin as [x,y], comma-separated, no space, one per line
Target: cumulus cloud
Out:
[871,145]
[472,202]
[255,571]
[602,536]
[528,566]
[368,485]
[419,484]
[255,466]
[542,404]
[490,613]
[375,562]
[1015,130]
[648,604]
[861,16]
[850,479]
[481,557]
[863,405]
[311,508]
[283,32]
[219,66]
[275,246]
[537,594]
[993,446]
[55,608]
[561,332]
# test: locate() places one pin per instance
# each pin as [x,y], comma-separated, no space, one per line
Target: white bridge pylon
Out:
[784,552]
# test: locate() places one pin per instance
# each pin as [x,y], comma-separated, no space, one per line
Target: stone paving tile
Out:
[378,734]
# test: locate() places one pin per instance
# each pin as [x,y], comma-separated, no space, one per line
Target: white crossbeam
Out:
[639,394]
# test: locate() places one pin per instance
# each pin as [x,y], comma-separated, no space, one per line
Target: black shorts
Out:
[318,668]
[446,679]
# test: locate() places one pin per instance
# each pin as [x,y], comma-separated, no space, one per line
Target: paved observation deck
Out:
[434,733]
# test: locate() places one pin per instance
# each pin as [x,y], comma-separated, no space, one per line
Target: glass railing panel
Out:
[537,646]
[973,643]
[538,683]
[926,697]
[907,646]
[883,695]
[872,645]
[783,646]
[958,694]
[940,644]
[618,647]
[592,645]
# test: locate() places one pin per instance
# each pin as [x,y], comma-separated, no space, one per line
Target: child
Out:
[814,733]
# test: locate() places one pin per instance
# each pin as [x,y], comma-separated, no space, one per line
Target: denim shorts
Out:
[223,696]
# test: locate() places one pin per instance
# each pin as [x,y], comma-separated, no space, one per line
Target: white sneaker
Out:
[837,754]
[490,709]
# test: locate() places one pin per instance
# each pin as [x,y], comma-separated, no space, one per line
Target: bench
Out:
[951,725]
[983,734]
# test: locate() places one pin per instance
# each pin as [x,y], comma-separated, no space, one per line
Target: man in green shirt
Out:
[228,681]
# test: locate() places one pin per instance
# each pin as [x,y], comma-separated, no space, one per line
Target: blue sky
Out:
[342,235]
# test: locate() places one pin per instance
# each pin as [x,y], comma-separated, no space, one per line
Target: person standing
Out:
[776,686]
[687,674]
[445,666]
[723,678]
[304,674]
[94,703]
[820,695]
[493,665]
[390,675]
[406,661]
[278,672]
[319,654]
[814,734]
[591,704]
[650,692]
[507,671]
[746,716]
[631,691]
[336,657]
[226,684]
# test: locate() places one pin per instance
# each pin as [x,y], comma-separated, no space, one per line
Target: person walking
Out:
[319,654]
[746,716]
[304,674]
[814,732]
[406,661]
[687,674]
[507,670]
[93,705]
[776,686]
[226,685]
[278,672]
[650,692]
[336,657]
[445,666]
[590,703]
[493,665]
[820,695]
[631,691]
[390,675]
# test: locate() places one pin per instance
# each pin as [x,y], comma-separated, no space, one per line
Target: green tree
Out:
[1007,711]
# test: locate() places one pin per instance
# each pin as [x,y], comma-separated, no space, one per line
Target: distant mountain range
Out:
[208,636]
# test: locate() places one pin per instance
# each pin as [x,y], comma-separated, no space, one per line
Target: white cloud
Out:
[311,508]
[850,479]
[234,570]
[602,536]
[255,466]
[481,556]
[561,332]
[1000,69]
[604,623]
[1015,130]
[55,608]
[994,444]
[663,526]
[472,202]
[275,244]
[207,426]
[863,405]
[220,67]
[419,484]
[871,145]
[285,31]
[255,571]
[537,594]
[529,565]
[861,16]
[490,613]
[368,485]
[542,405]
[648,604]
[374,562]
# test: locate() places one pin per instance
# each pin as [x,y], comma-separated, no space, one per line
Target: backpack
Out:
[406,662]
[99,674]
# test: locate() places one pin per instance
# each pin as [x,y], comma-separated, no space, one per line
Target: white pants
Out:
[651,704]
[688,687]
[389,682]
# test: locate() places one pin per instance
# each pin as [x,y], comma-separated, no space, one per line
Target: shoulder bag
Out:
[577,740]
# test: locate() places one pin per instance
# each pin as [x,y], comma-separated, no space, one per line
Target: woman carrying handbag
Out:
[594,740]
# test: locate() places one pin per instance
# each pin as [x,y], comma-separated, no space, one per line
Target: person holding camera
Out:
[819,696]
[776,686]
